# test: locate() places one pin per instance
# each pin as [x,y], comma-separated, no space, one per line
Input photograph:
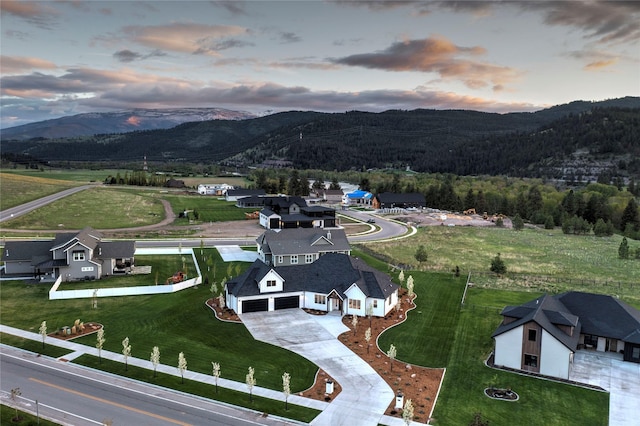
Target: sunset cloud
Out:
[438,55]
[127,55]
[186,38]
[34,13]
[19,64]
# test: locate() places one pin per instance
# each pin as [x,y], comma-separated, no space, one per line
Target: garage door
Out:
[287,302]
[257,305]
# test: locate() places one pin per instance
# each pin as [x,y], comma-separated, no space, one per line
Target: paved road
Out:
[73,395]
[14,212]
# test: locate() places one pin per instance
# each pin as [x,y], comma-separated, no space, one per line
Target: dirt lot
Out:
[441,218]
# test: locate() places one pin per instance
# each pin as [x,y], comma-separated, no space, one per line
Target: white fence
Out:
[55,294]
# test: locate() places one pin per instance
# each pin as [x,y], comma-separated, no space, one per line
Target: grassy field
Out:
[541,402]
[100,208]
[210,209]
[568,259]
[178,322]
[17,189]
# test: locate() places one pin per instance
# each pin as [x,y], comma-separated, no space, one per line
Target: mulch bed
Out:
[89,328]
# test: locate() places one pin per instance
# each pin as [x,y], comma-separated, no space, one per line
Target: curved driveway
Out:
[365,395]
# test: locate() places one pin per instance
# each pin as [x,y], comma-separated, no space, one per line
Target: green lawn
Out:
[435,316]
[209,209]
[541,402]
[178,322]
[99,208]
[7,414]
[162,267]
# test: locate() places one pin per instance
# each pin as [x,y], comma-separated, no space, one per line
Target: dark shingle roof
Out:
[25,250]
[602,315]
[285,242]
[409,197]
[331,271]
[547,312]
[596,314]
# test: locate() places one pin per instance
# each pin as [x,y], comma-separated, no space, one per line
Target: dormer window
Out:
[271,283]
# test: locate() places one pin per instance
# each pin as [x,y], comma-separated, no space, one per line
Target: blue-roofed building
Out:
[358,197]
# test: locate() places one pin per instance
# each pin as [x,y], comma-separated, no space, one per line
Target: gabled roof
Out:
[331,272]
[548,313]
[284,242]
[88,237]
[603,315]
[237,192]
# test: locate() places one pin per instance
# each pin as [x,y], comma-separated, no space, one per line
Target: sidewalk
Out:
[77,350]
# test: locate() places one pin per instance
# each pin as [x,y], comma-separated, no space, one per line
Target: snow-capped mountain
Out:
[119,122]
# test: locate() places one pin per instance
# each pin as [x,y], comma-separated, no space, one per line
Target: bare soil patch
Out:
[86,329]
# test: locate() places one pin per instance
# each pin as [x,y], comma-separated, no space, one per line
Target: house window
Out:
[78,255]
[531,360]
[308,258]
[375,303]
[294,259]
[533,334]
[280,260]
[590,339]
[635,353]
[320,299]
[271,283]
[354,303]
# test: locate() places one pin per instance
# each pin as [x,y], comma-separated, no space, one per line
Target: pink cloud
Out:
[186,38]
[20,64]
[439,55]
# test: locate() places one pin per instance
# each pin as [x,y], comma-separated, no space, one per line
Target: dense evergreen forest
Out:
[578,141]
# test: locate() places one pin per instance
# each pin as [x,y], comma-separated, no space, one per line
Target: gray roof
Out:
[595,314]
[547,312]
[603,315]
[330,272]
[284,242]
[15,251]
[115,249]
[39,252]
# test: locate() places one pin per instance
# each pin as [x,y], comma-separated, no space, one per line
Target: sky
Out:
[62,58]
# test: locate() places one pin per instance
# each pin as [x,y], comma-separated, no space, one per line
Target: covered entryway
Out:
[287,302]
[256,305]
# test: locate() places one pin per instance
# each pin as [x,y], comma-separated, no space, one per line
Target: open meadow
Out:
[536,259]
[17,189]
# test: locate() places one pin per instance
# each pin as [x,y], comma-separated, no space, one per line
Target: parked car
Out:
[371,221]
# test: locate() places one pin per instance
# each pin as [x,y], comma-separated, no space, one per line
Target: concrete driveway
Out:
[365,395]
[621,379]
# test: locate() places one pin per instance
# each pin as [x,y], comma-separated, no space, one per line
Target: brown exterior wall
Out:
[531,347]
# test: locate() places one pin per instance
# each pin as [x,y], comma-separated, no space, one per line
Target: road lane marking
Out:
[106,401]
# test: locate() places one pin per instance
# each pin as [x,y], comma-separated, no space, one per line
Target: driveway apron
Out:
[365,395]
[620,378]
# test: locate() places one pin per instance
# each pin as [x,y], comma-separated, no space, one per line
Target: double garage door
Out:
[262,305]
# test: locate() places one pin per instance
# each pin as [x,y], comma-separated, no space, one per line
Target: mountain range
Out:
[577,139]
[118,122]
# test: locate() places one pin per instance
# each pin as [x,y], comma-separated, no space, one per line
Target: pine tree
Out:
[498,266]
[517,222]
[623,250]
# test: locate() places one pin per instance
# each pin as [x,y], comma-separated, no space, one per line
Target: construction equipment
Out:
[470,211]
[252,215]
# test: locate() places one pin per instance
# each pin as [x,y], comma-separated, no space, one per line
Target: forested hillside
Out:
[580,140]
